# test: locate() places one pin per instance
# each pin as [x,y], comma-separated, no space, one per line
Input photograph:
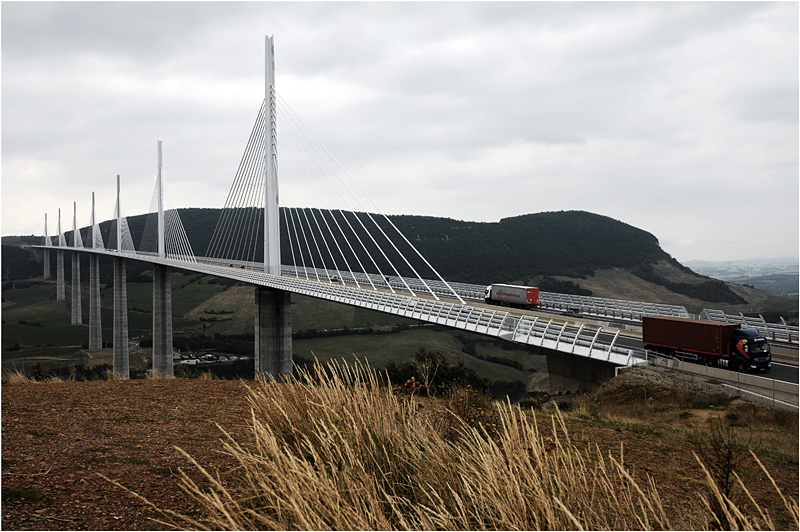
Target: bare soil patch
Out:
[58,436]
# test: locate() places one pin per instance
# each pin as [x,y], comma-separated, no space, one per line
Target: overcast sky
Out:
[678,118]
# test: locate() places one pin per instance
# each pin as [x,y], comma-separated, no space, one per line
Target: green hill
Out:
[568,252]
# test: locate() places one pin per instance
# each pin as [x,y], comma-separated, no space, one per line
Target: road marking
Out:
[759,395]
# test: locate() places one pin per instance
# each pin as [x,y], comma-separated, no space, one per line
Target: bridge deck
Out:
[583,339]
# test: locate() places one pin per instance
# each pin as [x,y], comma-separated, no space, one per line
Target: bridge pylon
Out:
[162,323]
[273,308]
[95,326]
[46,252]
[60,288]
[121,357]
[162,294]
[77,312]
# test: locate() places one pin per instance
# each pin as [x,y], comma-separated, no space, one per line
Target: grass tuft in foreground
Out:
[336,450]
[13,377]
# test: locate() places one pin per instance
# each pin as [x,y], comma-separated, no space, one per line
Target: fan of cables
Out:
[176,243]
[123,242]
[330,230]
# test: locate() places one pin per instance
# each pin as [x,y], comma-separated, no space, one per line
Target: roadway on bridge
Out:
[785,356]
[630,339]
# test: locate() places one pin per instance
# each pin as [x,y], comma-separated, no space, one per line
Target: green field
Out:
[380,349]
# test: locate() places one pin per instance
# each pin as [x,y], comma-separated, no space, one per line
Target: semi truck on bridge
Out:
[722,344]
[512,295]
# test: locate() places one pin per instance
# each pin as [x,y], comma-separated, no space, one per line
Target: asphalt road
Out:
[785,369]
[780,371]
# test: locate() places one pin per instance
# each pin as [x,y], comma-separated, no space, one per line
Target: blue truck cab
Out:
[751,349]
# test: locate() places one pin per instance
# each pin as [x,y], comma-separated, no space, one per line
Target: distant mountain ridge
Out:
[553,250]
[565,243]
[776,275]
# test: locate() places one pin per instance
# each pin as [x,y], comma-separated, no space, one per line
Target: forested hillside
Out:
[553,250]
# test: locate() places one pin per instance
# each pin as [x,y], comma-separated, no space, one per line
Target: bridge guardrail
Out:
[615,308]
[493,322]
[769,330]
[530,330]
[596,306]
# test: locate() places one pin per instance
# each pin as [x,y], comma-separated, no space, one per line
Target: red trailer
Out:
[724,344]
[685,334]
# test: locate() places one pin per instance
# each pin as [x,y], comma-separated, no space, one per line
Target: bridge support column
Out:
[273,350]
[121,360]
[95,326]
[575,373]
[60,288]
[46,258]
[162,323]
[77,313]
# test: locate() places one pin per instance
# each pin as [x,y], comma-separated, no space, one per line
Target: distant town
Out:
[191,359]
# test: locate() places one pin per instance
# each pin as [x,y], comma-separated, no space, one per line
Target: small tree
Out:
[428,365]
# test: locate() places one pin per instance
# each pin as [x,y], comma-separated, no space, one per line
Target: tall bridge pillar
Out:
[95,327]
[273,349]
[60,288]
[162,323]
[121,360]
[273,352]
[121,357]
[46,258]
[46,254]
[77,313]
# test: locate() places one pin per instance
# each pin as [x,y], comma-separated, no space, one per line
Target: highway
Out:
[784,355]
[624,334]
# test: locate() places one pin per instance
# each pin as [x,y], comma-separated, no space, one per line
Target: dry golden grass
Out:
[336,451]
[725,515]
[16,376]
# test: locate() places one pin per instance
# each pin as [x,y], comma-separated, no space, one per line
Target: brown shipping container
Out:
[697,336]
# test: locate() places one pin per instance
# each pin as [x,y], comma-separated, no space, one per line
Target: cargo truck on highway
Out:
[721,344]
[512,295]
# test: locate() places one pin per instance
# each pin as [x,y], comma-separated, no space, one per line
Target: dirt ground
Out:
[57,437]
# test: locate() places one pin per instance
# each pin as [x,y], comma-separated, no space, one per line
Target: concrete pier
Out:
[60,288]
[77,313]
[273,330]
[121,357]
[575,373]
[95,327]
[162,323]
[46,253]
[46,258]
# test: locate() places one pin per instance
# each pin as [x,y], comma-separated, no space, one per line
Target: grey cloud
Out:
[577,105]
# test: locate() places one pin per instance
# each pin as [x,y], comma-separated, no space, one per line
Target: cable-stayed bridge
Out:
[320,236]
